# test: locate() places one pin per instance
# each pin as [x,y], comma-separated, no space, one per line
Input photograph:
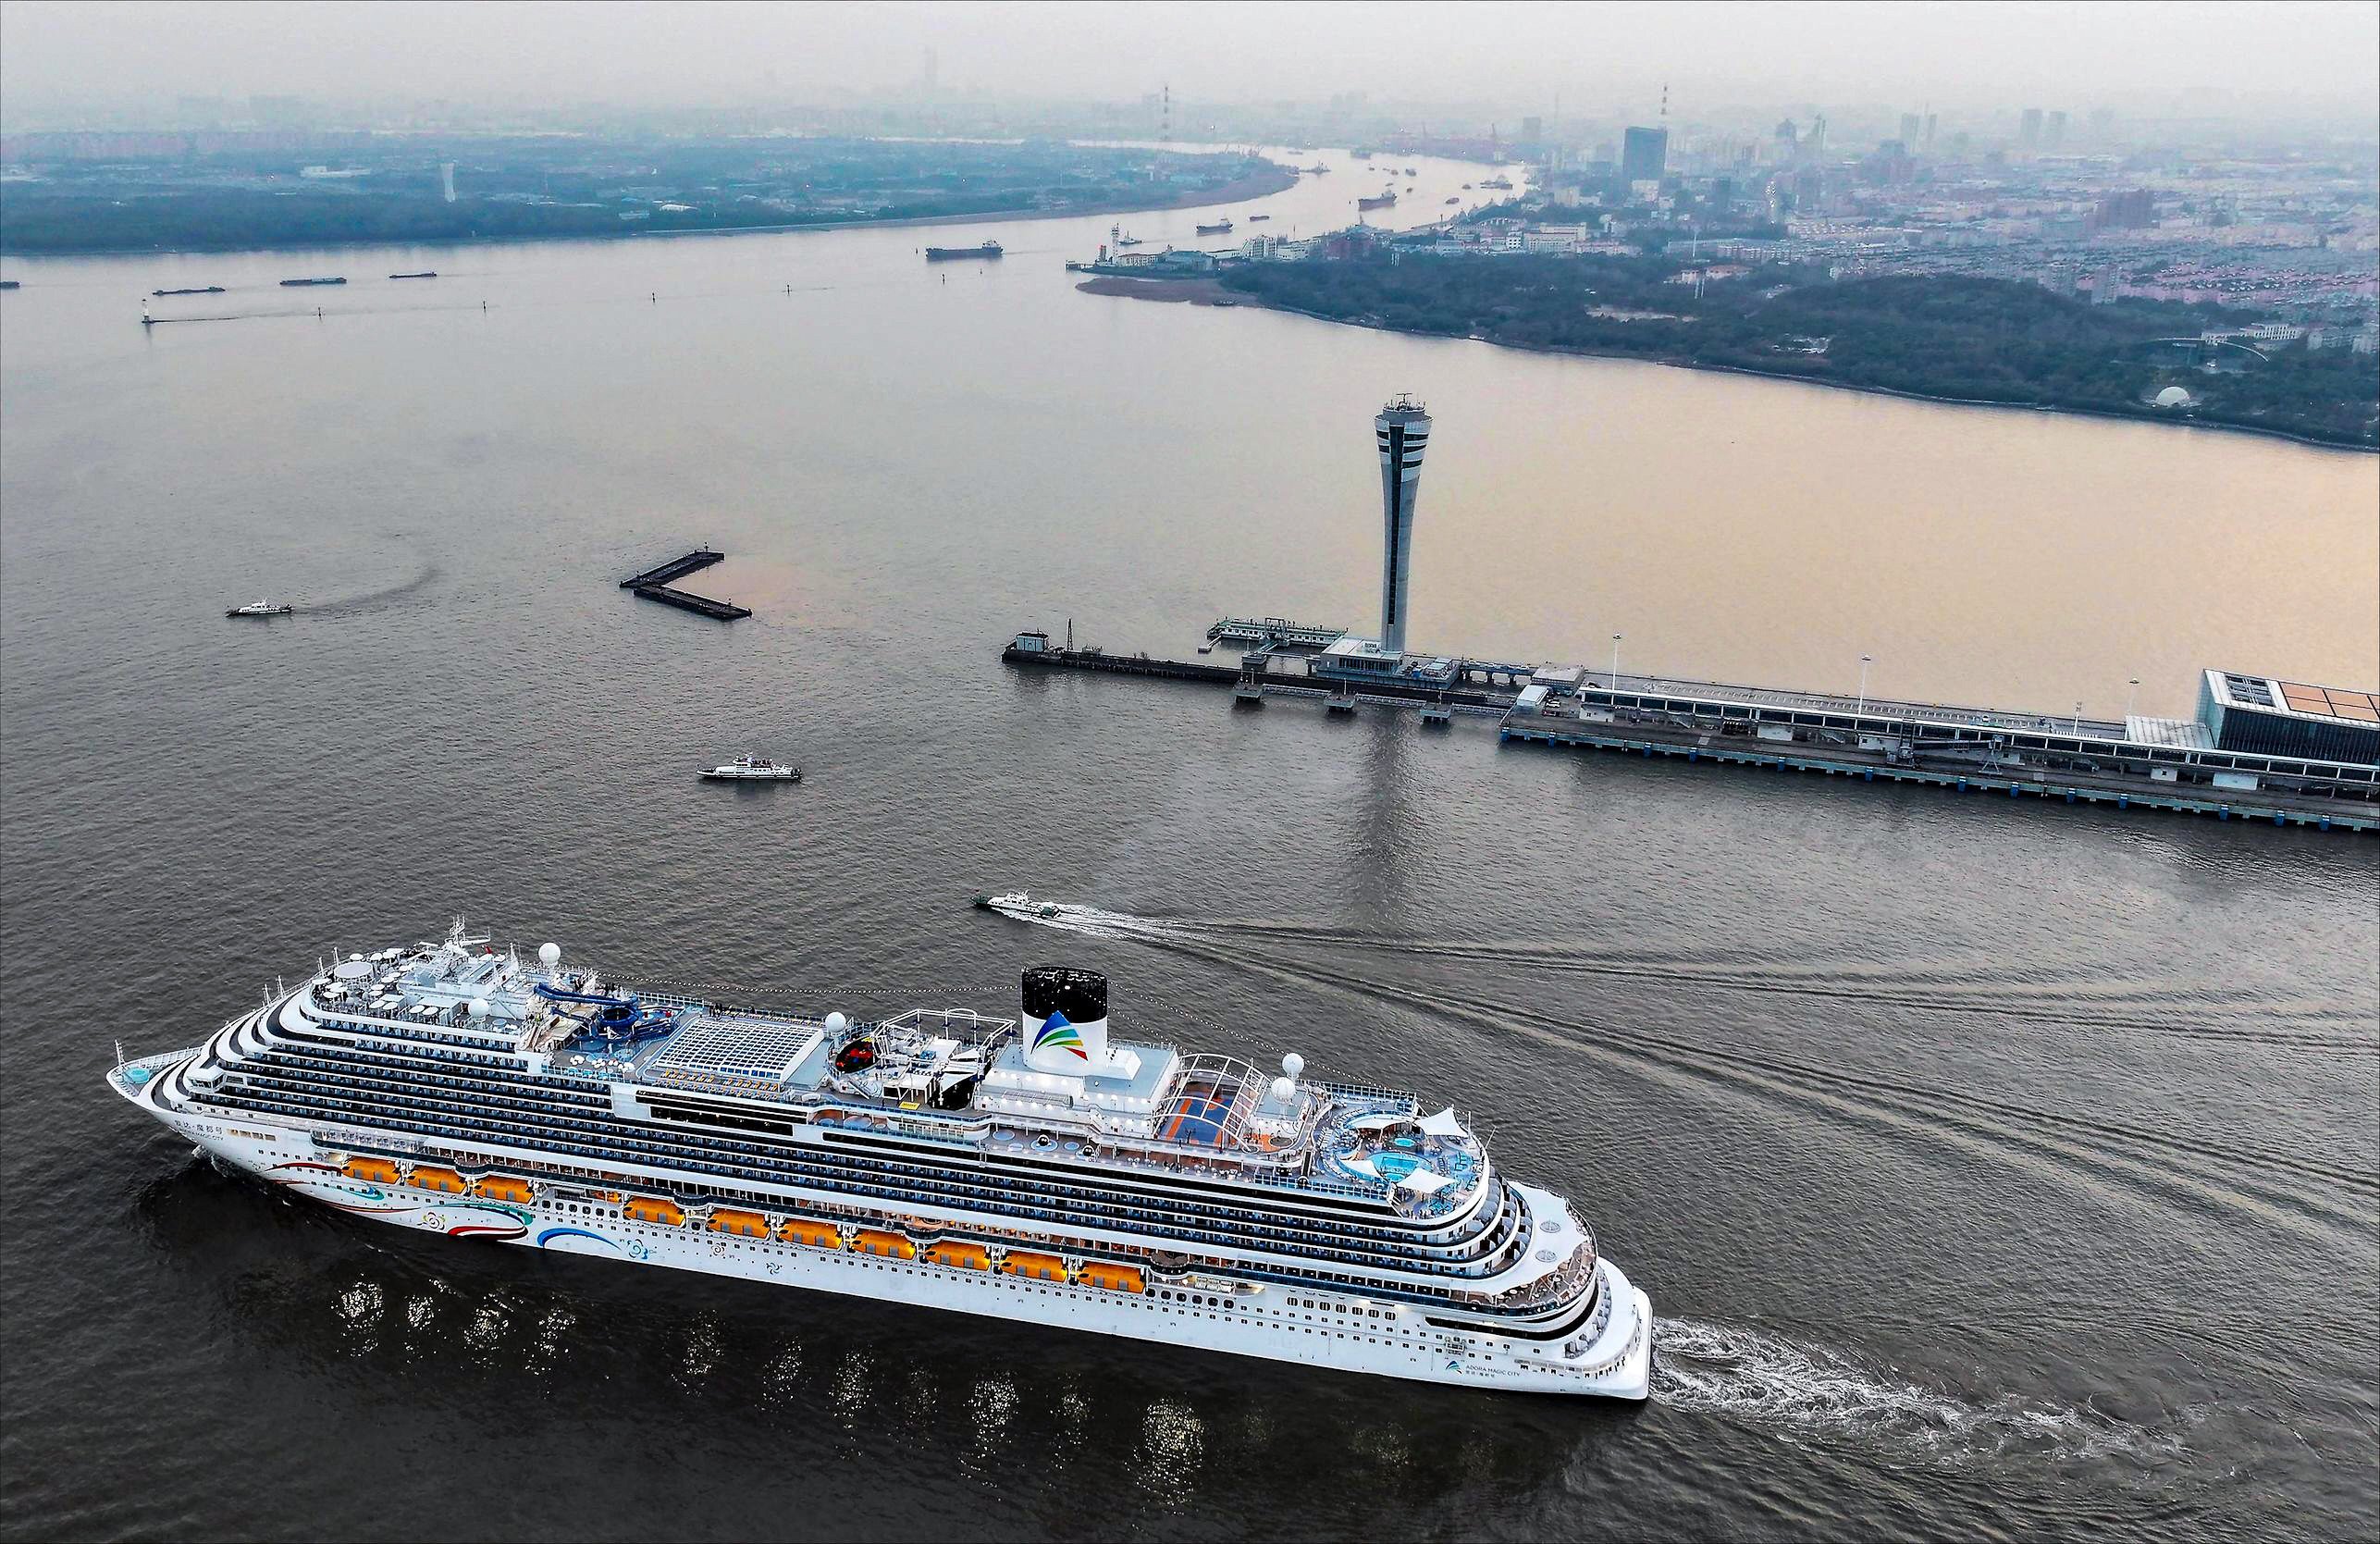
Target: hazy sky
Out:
[1609,56]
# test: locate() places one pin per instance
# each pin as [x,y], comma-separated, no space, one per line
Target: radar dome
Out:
[2173,396]
[551,954]
[1284,1090]
[479,1008]
[836,1023]
[1293,1064]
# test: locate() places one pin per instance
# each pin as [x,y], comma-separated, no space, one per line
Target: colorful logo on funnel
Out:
[1057,1033]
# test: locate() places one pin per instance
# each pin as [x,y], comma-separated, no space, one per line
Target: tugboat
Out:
[753,768]
[260,608]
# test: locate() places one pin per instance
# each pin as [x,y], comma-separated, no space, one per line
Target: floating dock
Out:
[725,610]
[2137,763]
[676,568]
[654,585]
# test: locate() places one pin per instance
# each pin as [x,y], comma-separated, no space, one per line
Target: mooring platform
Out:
[654,585]
[676,568]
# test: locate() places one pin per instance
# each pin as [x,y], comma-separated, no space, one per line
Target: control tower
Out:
[1403,429]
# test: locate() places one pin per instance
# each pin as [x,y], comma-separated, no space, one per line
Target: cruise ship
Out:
[1029,1168]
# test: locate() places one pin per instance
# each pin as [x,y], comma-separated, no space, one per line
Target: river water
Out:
[1996,1172]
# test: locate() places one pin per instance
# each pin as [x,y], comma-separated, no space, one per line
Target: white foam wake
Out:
[1751,1375]
[1088,920]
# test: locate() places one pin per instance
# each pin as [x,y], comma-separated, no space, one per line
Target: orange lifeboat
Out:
[648,1208]
[872,1240]
[429,1176]
[1040,1268]
[374,1171]
[750,1225]
[816,1235]
[504,1187]
[958,1255]
[1110,1277]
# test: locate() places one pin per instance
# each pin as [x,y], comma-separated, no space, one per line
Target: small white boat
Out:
[1016,904]
[754,769]
[260,608]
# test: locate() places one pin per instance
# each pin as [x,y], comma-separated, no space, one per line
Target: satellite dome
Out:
[2173,396]
[479,1008]
[1284,1090]
[836,1023]
[1293,1064]
[551,954]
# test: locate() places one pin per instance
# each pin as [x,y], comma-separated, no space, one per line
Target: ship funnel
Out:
[1065,1019]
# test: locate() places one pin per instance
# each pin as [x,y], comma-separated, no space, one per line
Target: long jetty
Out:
[1964,750]
[654,585]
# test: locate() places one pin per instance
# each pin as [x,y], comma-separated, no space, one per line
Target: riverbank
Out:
[1273,179]
[1207,291]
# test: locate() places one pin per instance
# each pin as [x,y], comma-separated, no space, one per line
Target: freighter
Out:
[948,254]
[1028,1169]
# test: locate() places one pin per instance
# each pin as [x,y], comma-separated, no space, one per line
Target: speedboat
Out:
[260,608]
[754,769]
[1016,904]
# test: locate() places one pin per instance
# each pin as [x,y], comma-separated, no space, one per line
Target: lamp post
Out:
[2132,689]
[1865,661]
[2077,718]
[1615,662]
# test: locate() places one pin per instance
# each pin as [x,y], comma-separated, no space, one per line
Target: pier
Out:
[2139,763]
[654,585]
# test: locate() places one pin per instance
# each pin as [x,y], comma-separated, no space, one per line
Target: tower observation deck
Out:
[1402,429]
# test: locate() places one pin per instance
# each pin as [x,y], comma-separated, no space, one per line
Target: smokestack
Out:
[1404,431]
[1065,1019]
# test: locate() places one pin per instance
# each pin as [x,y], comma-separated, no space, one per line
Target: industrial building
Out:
[2258,714]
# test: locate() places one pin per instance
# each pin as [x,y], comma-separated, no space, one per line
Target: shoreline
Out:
[1131,290]
[1261,185]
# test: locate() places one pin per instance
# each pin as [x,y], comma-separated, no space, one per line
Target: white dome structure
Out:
[549,954]
[836,1023]
[2173,396]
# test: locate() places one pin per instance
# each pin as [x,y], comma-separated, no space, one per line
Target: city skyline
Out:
[2284,62]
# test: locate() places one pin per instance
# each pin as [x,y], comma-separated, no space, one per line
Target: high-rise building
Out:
[1929,134]
[1644,154]
[1533,130]
[1910,129]
[2054,132]
[1789,146]
[1402,429]
[2028,133]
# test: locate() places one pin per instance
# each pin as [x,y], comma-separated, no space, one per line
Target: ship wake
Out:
[1804,1391]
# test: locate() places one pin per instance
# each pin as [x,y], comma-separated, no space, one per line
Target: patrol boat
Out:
[753,768]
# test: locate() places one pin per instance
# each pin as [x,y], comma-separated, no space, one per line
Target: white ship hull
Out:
[1615,1362]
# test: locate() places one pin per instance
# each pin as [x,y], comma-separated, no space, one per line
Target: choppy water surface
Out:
[1993,1172]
